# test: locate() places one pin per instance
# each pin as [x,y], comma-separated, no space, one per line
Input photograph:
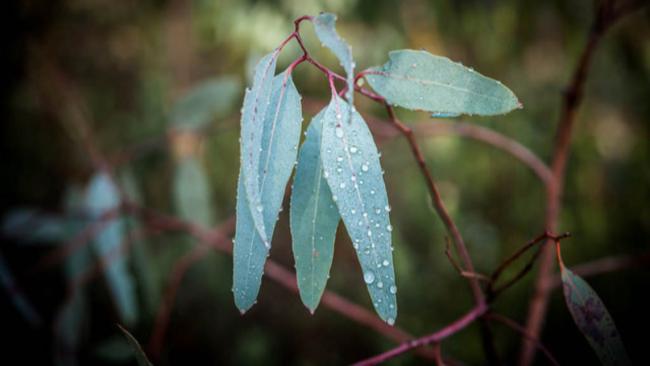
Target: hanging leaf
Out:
[140,356]
[211,99]
[325,27]
[256,103]
[354,175]
[140,254]
[593,319]
[314,218]
[192,196]
[72,317]
[279,145]
[102,196]
[422,81]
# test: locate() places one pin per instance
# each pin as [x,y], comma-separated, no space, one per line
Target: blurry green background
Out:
[121,67]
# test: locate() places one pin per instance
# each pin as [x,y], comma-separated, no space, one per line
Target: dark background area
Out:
[122,65]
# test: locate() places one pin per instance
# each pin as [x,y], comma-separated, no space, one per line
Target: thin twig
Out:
[521,330]
[606,265]
[436,337]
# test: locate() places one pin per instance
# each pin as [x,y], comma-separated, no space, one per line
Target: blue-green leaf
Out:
[351,167]
[280,129]
[140,356]
[422,81]
[192,196]
[102,196]
[33,226]
[325,27]
[140,253]
[254,111]
[314,218]
[593,319]
[211,99]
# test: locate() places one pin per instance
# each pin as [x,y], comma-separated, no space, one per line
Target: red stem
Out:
[436,337]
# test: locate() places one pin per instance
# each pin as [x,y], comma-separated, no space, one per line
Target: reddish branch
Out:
[521,330]
[607,14]
[433,338]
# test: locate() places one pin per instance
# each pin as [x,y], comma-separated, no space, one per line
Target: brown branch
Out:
[607,15]
[452,229]
[521,330]
[436,337]
[219,241]
[605,265]
[492,138]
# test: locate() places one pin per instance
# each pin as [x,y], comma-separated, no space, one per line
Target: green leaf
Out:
[256,103]
[314,218]
[593,319]
[102,196]
[192,196]
[422,81]
[325,27]
[140,356]
[279,146]
[354,175]
[211,99]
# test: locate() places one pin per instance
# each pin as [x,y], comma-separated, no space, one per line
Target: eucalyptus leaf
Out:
[140,356]
[593,319]
[256,102]
[353,172]
[192,197]
[421,81]
[33,226]
[325,27]
[280,130]
[213,98]
[102,196]
[140,253]
[314,218]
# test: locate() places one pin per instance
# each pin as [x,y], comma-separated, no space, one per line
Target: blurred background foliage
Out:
[158,86]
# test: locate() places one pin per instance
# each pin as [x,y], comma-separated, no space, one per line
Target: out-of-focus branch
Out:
[605,265]
[218,240]
[521,330]
[608,12]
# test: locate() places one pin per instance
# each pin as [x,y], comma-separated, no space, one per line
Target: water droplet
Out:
[387,208]
[353,178]
[338,116]
[342,185]
[339,131]
[380,284]
[368,277]
[372,192]
[326,174]
[385,263]
[377,211]
[339,158]
[389,227]
[334,198]
[390,321]
[364,167]
[369,232]
[353,149]
[259,208]
[393,289]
